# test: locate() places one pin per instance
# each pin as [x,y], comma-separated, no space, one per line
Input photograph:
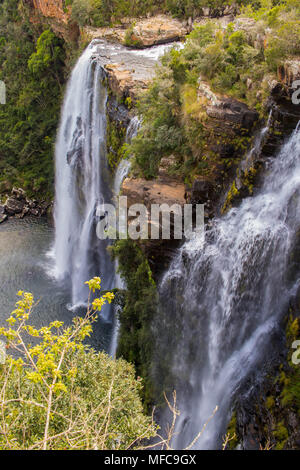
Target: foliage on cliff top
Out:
[57,393]
[32,67]
[232,61]
[105,12]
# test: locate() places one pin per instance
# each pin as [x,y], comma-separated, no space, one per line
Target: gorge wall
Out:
[53,9]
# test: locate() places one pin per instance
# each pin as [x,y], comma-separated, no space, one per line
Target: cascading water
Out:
[83,179]
[222,303]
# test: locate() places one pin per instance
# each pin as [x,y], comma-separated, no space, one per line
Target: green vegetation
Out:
[115,138]
[32,67]
[130,40]
[231,195]
[58,393]
[236,63]
[232,433]
[281,434]
[280,405]
[105,12]
[135,341]
[290,379]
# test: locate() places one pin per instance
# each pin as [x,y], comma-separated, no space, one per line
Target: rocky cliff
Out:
[52,9]
[55,14]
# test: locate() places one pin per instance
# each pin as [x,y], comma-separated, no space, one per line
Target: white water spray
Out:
[222,305]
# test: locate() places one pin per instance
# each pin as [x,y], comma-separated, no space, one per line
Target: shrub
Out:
[58,393]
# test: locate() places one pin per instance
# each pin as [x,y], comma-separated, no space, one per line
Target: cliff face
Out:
[52,9]
[55,14]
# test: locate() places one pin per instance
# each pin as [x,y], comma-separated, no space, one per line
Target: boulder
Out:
[18,193]
[158,191]
[14,206]
[289,72]
[228,121]
[18,205]
[159,29]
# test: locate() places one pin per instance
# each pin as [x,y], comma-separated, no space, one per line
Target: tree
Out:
[58,393]
[49,55]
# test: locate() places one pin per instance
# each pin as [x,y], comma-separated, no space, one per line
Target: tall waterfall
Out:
[222,303]
[83,179]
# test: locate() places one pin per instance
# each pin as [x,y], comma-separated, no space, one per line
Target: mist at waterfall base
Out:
[218,328]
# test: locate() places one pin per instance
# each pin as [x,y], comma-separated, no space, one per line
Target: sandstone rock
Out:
[228,118]
[159,29]
[159,191]
[18,205]
[14,206]
[19,194]
[249,83]
[52,9]
[235,112]
[289,72]
[163,190]
[122,83]
[228,110]
[57,15]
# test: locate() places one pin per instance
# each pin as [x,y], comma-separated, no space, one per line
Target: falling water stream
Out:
[222,302]
[83,177]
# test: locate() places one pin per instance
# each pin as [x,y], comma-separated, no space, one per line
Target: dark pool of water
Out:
[25,265]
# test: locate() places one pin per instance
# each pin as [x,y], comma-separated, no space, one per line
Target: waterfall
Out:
[83,179]
[222,303]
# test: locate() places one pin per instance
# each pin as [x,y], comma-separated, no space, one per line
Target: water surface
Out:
[25,265]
